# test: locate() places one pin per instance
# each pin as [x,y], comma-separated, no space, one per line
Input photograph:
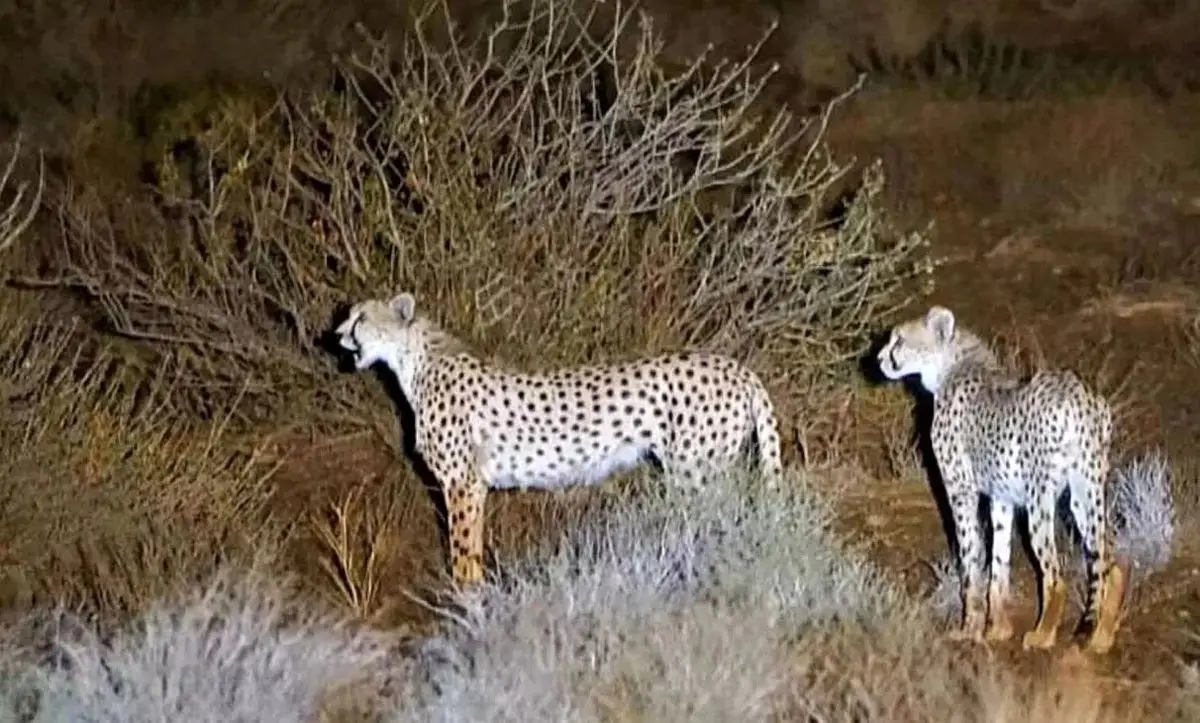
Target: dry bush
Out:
[662,606]
[667,606]
[1143,513]
[552,191]
[737,604]
[111,496]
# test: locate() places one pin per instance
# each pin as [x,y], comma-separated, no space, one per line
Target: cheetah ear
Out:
[940,321]
[405,306]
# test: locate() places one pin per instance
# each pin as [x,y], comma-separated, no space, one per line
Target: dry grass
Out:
[359,535]
[123,482]
[242,647]
[663,606]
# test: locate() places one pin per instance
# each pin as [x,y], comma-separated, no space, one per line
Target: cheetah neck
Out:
[969,354]
[408,371]
[410,368]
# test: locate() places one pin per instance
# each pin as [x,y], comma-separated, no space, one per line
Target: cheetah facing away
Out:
[1020,444]
[480,426]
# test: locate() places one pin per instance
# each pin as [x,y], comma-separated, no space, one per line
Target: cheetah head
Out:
[380,331]
[924,347]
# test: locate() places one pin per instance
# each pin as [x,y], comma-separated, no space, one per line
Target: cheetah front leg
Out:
[1053,590]
[465,499]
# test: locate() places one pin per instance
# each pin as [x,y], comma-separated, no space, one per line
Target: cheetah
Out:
[480,426]
[1019,443]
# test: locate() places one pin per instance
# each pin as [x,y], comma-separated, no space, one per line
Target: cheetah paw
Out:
[1000,631]
[965,634]
[1038,640]
[1099,643]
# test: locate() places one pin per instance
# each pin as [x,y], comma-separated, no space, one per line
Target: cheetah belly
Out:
[1001,473]
[547,472]
[542,434]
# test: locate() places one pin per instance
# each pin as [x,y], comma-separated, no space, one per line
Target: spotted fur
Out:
[1019,443]
[481,426]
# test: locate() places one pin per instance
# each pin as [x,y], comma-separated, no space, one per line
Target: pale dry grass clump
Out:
[735,604]
[738,604]
[240,648]
[673,607]
[1143,512]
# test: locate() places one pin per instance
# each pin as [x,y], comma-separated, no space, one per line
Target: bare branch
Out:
[19,213]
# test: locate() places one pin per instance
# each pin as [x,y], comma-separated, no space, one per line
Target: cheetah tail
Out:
[766,430]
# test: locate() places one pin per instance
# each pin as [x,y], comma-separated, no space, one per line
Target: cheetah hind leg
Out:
[999,624]
[1106,593]
[1108,615]
[1052,588]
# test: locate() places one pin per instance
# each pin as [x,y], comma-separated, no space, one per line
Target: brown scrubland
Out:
[206,516]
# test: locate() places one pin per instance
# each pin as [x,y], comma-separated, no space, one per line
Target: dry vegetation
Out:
[201,515]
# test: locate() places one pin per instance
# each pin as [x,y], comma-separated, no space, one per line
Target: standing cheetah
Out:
[480,426]
[1021,444]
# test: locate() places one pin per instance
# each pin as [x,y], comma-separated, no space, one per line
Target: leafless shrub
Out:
[552,189]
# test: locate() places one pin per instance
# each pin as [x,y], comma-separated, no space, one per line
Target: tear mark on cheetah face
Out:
[377,331]
[923,347]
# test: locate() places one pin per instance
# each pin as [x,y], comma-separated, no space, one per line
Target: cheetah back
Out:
[1016,433]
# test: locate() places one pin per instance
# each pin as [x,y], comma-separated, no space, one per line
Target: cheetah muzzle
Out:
[351,345]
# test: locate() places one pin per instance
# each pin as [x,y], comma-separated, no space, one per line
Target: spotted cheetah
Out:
[480,426]
[1020,443]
